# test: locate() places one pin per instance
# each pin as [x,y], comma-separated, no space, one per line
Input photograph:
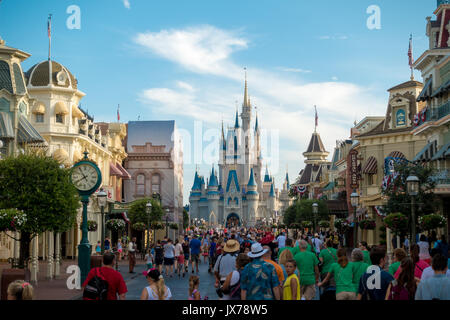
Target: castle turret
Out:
[195,196]
[213,197]
[252,200]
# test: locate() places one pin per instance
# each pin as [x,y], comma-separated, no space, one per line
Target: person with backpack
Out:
[105,283]
[438,286]
[403,288]
[226,262]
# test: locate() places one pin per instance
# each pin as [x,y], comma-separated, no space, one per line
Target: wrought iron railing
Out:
[437,113]
[442,177]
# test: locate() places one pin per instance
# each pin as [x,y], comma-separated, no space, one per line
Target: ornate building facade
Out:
[236,193]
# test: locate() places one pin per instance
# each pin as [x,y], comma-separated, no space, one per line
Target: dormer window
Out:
[59,118]
[400,118]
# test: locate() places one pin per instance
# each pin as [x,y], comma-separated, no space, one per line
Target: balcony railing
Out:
[437,113]
[442,177]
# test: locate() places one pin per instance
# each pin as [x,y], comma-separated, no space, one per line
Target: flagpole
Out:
[49,36]
[411,59]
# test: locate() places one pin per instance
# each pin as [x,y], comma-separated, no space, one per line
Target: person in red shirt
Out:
[116,284]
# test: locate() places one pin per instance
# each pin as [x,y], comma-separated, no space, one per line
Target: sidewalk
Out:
[56,289]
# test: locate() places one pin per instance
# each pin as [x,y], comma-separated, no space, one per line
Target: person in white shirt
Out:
[178,255]
[132,254]
[281,240]
[317,243]
[429,272]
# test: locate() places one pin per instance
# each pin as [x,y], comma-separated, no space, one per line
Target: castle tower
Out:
[252,200]
[194,197]
[271,201]
[213,197]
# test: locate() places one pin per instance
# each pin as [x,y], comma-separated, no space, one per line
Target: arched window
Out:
[156,183]
[140,185]
[400,118]
[236,200]
[5,77]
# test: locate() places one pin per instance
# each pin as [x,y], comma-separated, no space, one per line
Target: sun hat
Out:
[231,246]
[257,250]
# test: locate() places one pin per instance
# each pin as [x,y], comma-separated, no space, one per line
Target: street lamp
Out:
[148,208]
[101,200]
[167,222]
[315,208]
[354,199]
[412,184]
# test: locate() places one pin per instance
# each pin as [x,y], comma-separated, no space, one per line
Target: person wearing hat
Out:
[226,262]
[261,275]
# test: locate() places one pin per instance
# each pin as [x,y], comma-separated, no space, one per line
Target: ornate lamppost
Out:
[354,199]
[413,184]
[315,209]
[148,208]
[101,200]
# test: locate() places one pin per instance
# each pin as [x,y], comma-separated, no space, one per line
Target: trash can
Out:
[11,275]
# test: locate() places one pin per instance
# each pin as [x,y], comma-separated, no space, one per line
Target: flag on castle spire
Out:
[316,118]
[118,113]
[410,56]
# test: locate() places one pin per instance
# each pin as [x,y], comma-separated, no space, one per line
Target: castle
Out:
[239,195]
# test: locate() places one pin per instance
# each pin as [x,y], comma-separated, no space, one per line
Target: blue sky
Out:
[184,60]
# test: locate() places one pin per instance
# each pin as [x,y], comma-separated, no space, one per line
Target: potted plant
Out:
[431,222]
[11,219]
[324,224]
[307,224]
[157,226]
[173,226]
[367,224]
[341,225]
[397,222]
[139,226]
[92,226]
[295,226]
[115,224]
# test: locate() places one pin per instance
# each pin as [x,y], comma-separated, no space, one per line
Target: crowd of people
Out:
[252,264]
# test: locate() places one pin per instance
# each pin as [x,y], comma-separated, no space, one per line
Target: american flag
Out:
[118,113]
[410,53]
[49,26]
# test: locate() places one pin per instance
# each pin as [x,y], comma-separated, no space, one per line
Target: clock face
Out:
[84,177]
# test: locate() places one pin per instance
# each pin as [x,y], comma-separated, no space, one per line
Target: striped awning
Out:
[426,91]
[6,128]
[125,174]
[425,154]
[114,171]
[27,133]
[396,154]
[371,166]
[442,153]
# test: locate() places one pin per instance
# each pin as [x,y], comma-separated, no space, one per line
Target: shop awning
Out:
[114,171]
[39,108]
[442,153]
[61,108]
[338,208]
[27,133]
[125,174]
[6,128]
[329,186]
[426,91]
[371,166]
[425,154]
[442,89]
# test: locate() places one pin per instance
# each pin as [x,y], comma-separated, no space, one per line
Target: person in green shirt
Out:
[307,264]
[359,267]
[343,275]
[364,247]
[290,247]
[327,257]
[399,255]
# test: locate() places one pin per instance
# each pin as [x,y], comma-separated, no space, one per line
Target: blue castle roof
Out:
[232,176]
[196,185]
[236,122]
[287,180]
[272,191]
[251,182]
[213,179]
[267,177]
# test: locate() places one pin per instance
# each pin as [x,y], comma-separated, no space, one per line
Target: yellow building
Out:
[392,139]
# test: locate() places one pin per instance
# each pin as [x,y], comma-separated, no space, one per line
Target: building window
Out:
[39,118]
[372,179]
[140,185]
[400,118]
[156,184]
[59,118]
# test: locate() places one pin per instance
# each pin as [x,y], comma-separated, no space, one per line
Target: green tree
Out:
[289,215]
[185,219]
[41,188]
[398,197]
[138,212]
[304,211]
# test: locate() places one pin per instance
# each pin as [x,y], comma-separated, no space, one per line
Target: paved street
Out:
[179,287]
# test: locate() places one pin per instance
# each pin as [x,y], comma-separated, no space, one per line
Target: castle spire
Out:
[236,123]
[256,122]
[246,102]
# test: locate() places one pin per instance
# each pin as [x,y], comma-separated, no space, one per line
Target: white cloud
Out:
[126,4]
[298,70]
[284,104]
[185,86]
